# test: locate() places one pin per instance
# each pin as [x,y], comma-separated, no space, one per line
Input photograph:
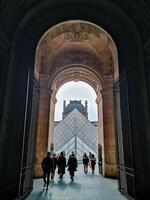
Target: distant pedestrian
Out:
[90,156]
[93,163]
[54,165]
[61,162]
[72,165]
[85,162]
[47,168]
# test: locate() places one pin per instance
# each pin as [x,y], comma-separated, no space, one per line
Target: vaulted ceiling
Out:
[81,49]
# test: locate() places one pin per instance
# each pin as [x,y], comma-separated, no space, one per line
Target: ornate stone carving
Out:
[76,73]
[76,36]
[79,31]
[76,57]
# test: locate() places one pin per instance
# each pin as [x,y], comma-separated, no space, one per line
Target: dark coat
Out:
[61,162]
[93,162]
[72,164]
[54,163]
[47,164]
[85,160]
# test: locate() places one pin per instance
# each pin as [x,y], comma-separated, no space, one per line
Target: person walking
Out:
[54,165]
[47,168]
[61,165]
[93,163]
[85,162]
[72,165]
[90,156]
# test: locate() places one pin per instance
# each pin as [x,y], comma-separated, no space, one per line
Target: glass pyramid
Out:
[75,133]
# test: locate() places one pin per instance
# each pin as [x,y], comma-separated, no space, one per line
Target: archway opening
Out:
[77,50]
[76,125]
[76,90]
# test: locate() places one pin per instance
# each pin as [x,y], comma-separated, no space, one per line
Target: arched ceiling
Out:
[76,43]
[76,30]
[76,73]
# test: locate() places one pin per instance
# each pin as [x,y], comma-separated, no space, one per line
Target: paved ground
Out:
[84,187]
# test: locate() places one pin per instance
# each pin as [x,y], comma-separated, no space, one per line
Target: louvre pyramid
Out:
[75,125]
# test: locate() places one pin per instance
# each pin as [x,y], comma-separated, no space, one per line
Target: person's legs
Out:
[52,174]
[60,173]
[86,168]
[72,175]
[93,169]
[61,176]
[44,178]
[48,175]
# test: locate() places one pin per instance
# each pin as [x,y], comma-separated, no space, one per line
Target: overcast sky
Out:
[76,91]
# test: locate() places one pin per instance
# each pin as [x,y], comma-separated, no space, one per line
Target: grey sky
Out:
[76,91]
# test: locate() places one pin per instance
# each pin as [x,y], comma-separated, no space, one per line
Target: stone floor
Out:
[84,187]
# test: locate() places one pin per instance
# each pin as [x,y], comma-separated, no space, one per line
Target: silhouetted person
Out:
[54,165]
[46,167]
[61,162]
[90,155]
[71,154]
[85,162]
[64,154]
[93,163]
[72,165]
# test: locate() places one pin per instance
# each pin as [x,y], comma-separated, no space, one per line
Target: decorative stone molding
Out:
[99,97]
[79,73]
[72,56]
[76,36]
[75,31]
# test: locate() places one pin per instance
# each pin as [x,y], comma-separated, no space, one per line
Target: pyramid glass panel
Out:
[75,133]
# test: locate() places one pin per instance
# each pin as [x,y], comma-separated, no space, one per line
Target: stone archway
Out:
[77,50]
[126,32]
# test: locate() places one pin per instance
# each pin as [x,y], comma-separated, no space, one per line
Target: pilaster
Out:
[51,121]
[43,124]
[109,142]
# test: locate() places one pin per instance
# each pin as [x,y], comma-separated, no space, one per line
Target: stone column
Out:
[100,116]
[51,121]
[43,124]
[109,140]
[100,130]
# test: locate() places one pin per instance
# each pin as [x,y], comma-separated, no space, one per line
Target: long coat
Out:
[61,164]
[47,164]
[72,164]
[85,160]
